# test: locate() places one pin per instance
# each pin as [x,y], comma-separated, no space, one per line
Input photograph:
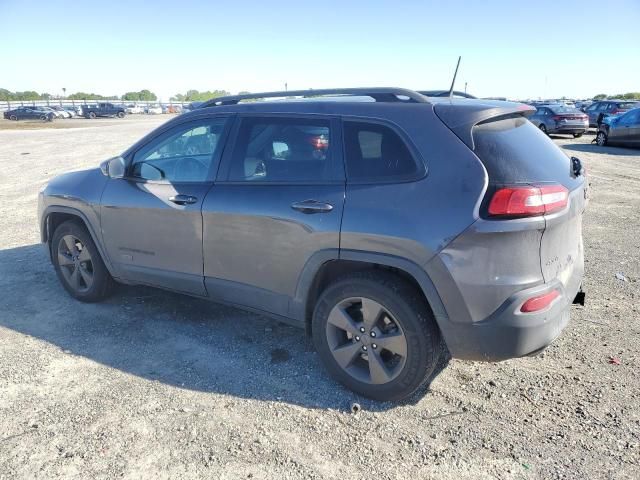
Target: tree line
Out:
[142,95]
[624,96]
[29,95]
[188,96]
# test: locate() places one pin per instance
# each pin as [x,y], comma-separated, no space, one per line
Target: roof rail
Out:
[379,94]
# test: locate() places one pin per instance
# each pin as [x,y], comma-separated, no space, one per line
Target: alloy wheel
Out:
[366,341]
[601,139]
[75,263]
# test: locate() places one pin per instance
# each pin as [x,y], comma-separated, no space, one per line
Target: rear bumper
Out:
[570,129]
[508,333]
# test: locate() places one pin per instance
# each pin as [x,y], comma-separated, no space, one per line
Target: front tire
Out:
[78,264]
[577,135]
[120,114]
[13,117]
[376,335]
[601,139]
[92,115]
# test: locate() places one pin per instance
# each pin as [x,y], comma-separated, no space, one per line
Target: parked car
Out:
[59,111]
[191,106]
[583,104]
[560,119]
[599,110]
[380,227]
[622,129]
[29,113]
[153,110]
[71,110]
[134,108]
[103,110]
[171,109]
[445,93]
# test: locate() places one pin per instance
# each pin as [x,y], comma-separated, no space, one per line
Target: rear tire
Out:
[543,128]
[78,264]
[601,139]
[389,344]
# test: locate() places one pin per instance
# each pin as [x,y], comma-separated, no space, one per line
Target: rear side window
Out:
[514,151]
[375,153]
[295,150]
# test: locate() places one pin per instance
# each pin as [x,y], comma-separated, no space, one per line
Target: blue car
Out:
[620,130]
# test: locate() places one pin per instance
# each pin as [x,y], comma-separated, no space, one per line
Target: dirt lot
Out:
[80,122]
[151,384]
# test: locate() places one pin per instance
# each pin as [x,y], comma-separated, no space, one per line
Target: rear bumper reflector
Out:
[540,302]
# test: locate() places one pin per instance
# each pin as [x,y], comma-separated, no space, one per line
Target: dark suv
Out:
[599,110]
[379,226]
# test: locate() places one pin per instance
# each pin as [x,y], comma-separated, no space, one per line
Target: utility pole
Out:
[465,87]
[285,87]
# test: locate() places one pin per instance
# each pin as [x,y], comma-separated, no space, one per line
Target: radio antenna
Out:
[453,82]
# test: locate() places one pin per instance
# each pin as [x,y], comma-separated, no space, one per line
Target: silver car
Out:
[560,119]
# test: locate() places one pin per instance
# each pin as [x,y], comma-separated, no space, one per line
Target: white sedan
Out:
[135,109]
[154,109]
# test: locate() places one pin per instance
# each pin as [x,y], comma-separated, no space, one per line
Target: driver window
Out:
[183,154]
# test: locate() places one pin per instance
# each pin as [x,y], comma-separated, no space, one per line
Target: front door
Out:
[278,201]
[151,220]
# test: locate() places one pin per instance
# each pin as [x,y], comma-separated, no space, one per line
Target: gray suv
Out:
[386,224]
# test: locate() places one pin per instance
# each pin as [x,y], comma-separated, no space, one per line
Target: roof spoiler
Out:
[462,116]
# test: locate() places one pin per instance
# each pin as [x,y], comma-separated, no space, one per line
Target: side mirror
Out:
[114,167]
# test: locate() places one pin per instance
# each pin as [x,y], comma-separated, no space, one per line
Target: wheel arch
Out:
[328,265]
[55,215]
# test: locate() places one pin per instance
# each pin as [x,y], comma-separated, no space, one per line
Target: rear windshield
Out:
[515,151]
[564,109]
[626,105]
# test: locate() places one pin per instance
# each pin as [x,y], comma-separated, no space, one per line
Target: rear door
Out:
[278,201]
[151,219]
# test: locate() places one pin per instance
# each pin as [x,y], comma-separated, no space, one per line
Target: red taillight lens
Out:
[557,118]
[535,304]
[528,201]
[319,142]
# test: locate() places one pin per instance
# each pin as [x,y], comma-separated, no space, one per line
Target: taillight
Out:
[527,201]
[535,304]
[319,142]
[557,118]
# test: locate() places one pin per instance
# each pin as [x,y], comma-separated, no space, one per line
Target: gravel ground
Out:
[152,384]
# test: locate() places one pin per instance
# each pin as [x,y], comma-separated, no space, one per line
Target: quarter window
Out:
[184,154]
[282,150]
[376,153]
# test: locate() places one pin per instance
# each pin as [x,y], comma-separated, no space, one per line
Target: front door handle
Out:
[183,199]
[312,206]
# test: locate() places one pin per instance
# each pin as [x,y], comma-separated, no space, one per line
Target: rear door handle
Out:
[183,199]
[312,206]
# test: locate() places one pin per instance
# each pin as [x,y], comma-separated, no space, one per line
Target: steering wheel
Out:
[189,169]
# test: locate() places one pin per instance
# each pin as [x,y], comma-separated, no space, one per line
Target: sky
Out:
[515,49]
